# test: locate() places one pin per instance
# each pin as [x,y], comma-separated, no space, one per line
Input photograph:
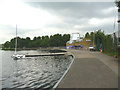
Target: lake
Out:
[37,72]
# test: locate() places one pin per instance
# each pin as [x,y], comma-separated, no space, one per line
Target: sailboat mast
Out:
[16,41]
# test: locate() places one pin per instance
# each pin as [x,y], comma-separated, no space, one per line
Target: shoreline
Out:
[65,73]
[40,48]
[59,49]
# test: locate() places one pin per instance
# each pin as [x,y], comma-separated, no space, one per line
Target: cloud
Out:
[97,21]
[48,18]
[25,16]
[79,26]
[75,9]
[109,10]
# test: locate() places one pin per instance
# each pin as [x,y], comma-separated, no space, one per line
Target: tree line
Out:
[44,41]
[108,42]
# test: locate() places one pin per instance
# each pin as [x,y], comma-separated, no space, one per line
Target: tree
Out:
[44,41]
[66,37]
[56,40]
[99,39]
[118,5]
[7,44]
[108,44]
[91,36]
[87,35]
[27,41]
[12,43]
[36,42]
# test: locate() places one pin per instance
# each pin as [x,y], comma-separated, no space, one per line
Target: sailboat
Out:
[17,56]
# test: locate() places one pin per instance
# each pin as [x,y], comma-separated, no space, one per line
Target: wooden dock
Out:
[44,54]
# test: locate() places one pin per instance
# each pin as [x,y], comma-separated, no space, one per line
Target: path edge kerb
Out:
[56,85]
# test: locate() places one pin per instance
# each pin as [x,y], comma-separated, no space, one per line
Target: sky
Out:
[49,18]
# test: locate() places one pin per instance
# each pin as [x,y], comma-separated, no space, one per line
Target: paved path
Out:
[91,70]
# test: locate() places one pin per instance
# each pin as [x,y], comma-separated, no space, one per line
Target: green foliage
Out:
[7,44]
[57,39]
[0,45]
[87,35]
[99,39]
[44,41]
[108,47]
[91,36]
[118,3]
[106,40]
[65,38]
[119,41]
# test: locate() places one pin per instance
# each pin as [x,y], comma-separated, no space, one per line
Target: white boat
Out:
[17,56]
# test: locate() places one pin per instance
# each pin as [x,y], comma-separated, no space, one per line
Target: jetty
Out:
[47,54]
[44,54]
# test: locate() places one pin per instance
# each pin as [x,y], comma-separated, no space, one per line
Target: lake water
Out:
[36,72]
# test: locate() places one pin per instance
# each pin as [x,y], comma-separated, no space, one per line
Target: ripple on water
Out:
[40,72]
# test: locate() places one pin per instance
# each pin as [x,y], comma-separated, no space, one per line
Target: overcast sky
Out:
[49,18]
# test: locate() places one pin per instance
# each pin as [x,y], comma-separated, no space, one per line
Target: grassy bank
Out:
[114,54]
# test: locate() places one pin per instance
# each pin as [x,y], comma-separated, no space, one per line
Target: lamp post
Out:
[118,5]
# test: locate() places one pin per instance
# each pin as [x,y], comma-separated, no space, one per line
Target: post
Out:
[93,38]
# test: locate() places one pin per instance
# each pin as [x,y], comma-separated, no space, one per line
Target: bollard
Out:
[101,50]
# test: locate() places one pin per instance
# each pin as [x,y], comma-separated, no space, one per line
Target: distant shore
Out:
[59,49]
[19,49]
[40,48]
[48,49]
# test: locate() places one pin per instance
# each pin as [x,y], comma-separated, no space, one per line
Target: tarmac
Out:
[91,70]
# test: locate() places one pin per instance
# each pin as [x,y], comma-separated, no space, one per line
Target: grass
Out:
[111,53]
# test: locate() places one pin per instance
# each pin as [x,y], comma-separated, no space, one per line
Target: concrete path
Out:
[91,70]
